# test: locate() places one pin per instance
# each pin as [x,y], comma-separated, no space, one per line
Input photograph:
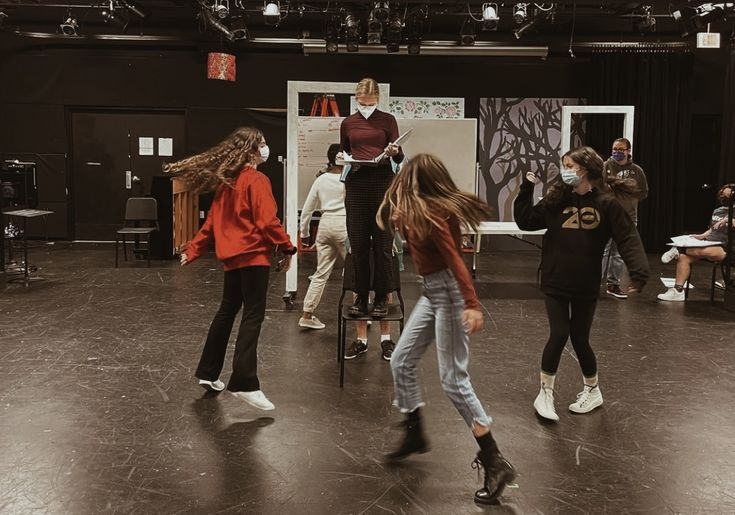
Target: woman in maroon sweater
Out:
[243,224]
[426,206]
[365,135]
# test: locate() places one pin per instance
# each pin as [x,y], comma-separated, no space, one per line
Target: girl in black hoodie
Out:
[579,218]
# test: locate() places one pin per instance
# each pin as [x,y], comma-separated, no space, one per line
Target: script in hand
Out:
[348,160]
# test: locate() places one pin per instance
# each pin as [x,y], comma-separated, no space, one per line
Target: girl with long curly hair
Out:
[425,205]
[580,213]
[242,221]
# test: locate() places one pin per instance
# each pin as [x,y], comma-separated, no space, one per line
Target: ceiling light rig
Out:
[647,22]
[490,17]
[395,33]
[520,13]
[272,13]
[351,25]
[70,25]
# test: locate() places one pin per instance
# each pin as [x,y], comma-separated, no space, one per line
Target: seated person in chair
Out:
[685,256]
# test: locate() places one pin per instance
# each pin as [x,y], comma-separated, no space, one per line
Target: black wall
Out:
[39,83]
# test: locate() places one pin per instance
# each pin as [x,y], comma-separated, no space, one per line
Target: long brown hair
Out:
[423,190]
[220,164]
[587,159]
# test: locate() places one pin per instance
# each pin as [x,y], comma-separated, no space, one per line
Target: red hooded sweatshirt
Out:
[243,223]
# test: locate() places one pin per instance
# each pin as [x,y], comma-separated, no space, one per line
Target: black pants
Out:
[364,191]
[562,325]
[246,288]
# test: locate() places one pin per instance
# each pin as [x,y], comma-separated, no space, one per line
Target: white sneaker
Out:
[672,295]
[212,386]
[311,323]
[670,255]
[587,400]
[544,404]
[257,399]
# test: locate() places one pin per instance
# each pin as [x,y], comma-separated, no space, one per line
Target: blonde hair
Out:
[368,87]
[220,164]
[421,192]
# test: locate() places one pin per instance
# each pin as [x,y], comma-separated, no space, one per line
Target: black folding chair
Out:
[141,219]
[395,311]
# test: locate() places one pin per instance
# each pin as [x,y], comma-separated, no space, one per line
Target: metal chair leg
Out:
[117,249]
[148,250]
[125,250]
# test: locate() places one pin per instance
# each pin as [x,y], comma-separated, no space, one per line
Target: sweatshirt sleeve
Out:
[309,206]
[643,184]
[626,237]
[445,244]
[264,209]
[526,215]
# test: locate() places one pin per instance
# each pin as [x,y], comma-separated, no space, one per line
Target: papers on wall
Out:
[145,146]
[165,146]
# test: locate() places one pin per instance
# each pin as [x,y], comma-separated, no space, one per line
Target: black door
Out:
[107,159]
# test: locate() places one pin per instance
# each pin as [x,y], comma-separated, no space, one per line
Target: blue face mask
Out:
[618,155]
[570,177]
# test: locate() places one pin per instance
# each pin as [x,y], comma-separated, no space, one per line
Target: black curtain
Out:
[727,156]
[658,85]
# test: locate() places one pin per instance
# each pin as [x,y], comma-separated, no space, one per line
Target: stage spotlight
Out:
[374,30]
[69,26]
[352,32]
[647,23]
[136,8]
[520,13]
[238,28]
[467,33]
[415,32]
[217,25]
[395,34]
[221,8]
[696,19]
[112,17]
[490,17]
[331,37]
[381,11]
[272,13]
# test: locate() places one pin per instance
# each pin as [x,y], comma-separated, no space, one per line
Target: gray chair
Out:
[141,219]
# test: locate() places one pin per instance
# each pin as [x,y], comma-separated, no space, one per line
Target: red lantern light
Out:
[221,66]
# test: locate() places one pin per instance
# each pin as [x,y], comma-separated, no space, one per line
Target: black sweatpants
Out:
[247,288]
[569,318]
[364,191]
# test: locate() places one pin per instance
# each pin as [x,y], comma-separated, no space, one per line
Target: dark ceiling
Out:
[198,20]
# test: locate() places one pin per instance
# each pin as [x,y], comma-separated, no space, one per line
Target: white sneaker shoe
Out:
[256,399]
[544,404]
[587,400]
[212,386]
[311,323]
[670,255]
[672,295]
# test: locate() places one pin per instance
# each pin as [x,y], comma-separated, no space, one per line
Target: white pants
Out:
[330,244]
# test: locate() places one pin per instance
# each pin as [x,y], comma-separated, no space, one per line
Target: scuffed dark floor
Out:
[101,413]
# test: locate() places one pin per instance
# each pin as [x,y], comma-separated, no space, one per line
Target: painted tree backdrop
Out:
[519,135]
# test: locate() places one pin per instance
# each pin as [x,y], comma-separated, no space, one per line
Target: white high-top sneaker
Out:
[672,295]
[670,255]
[257,399]
[544,404]
[587,400]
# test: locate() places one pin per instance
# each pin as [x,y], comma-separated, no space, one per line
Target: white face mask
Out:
[366,111]
[264,153]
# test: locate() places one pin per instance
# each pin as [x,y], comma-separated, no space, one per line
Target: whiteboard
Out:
[452,141]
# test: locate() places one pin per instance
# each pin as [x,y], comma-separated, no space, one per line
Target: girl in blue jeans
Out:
[425,205]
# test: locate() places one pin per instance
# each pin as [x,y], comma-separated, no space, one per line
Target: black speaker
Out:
[18,186]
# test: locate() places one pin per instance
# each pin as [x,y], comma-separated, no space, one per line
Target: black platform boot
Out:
[359,308]
[498,471]
[413,441]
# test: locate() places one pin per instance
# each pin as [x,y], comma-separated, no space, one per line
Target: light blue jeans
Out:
[437,316]
[612,263]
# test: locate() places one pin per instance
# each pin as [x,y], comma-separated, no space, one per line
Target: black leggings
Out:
[562,326]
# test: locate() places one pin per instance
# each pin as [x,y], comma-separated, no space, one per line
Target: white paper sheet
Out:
[145,146]
[165,146]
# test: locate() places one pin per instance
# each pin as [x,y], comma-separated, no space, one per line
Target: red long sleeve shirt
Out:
[243,223]
[366,139]
[441,250]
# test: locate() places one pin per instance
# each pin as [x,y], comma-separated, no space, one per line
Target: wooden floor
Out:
[101,412]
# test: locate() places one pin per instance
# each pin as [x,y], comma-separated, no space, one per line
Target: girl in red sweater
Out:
[426,206]
[243,224]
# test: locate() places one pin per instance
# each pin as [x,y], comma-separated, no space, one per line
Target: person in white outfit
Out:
[327,195]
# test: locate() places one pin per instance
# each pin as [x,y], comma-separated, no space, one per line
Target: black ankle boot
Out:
[413,441]
[498,471]
[359,308]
